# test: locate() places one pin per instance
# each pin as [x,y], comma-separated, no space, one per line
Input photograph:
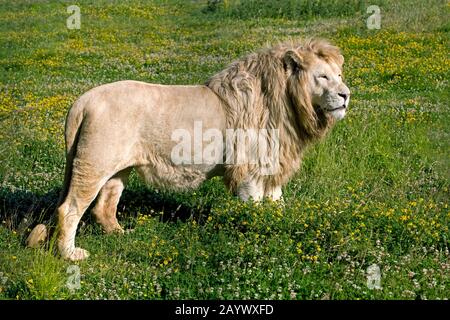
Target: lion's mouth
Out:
[338,108]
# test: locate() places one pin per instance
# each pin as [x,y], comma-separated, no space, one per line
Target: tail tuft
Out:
[37,236]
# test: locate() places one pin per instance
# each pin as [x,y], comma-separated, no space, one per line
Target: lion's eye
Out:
[323,76]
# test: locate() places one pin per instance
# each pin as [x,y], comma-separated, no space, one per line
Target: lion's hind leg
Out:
[82,191]
[107,200]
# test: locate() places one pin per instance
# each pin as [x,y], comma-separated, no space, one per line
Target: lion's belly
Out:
[179,177]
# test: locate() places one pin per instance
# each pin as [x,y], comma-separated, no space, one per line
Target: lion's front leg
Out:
[274,193]
[251,188]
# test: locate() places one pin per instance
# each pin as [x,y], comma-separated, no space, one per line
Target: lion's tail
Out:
[74,122]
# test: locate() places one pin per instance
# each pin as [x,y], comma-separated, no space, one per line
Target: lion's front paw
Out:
[281,202]
[78,254]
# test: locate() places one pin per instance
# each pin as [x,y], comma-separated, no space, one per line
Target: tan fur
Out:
[116,127]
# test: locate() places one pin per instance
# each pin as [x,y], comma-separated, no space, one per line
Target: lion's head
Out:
[317,68]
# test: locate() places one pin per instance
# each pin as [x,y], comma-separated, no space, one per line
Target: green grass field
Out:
[375,191]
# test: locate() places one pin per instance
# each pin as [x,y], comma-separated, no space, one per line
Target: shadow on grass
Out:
[20,210]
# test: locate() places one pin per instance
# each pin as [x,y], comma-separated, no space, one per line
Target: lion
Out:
[294,88]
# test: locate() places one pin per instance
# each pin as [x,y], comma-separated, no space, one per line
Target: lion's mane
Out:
[259,91]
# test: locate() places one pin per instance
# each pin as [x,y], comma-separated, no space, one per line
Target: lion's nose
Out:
[343,95]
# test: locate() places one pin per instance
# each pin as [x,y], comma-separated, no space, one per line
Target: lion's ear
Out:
[292,61]
[341,60]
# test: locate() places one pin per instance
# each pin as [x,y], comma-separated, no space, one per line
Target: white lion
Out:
[114,128]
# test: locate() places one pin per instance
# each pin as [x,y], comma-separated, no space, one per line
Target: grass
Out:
[375,191]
